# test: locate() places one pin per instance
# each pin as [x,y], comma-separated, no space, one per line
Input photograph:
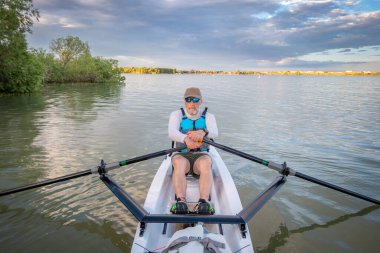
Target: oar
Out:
[103,168]
[283,169]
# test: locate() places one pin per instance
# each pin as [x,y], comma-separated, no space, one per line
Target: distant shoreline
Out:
[149,70]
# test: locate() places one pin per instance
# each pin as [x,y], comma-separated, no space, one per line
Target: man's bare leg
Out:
[202,167]
[181,167]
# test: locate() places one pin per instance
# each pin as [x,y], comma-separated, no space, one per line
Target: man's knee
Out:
[203,165]
[180,164]
[204,161]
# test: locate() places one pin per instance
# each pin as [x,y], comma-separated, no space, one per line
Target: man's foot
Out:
[204,207]
[180,207]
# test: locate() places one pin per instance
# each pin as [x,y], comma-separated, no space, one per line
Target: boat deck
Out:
[161,196]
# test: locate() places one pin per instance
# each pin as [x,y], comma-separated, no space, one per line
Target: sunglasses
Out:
[189,99]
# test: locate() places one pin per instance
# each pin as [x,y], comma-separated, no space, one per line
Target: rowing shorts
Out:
[191,157]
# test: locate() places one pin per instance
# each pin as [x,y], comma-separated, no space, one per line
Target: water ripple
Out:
[321,126]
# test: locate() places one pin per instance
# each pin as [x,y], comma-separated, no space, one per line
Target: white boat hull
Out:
[161,196]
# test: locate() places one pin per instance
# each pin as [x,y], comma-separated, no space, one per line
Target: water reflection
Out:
[25,235]
[18,130]
[80,102]
[324,127]
[72,114]
[40,138]
[283,234]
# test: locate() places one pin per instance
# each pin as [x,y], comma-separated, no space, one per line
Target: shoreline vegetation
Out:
[75,64]
[151,70]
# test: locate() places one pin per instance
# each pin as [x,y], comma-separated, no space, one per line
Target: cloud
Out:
[93,3]
[134,61]
[262,15]
[292,63]
[61,21]
[352,3]
[212,33]
[353,30]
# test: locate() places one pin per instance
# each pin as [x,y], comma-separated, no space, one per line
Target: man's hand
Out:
[192,144]
[196,136]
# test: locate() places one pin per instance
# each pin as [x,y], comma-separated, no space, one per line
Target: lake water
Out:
[326,127]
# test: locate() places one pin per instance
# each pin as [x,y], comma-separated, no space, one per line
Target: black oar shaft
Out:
[90,171]
[236,152]
[335,187]
[292,172]
[46,182]
[149,156]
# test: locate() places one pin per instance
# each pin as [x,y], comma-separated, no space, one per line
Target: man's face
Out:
[192,107]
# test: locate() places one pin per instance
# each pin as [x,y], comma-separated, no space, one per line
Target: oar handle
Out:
[285,170]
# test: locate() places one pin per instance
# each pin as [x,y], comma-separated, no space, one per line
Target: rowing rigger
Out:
[103,168]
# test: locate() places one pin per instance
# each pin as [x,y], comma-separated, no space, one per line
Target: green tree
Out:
[16,16]
[53,70]
[69,48]
[19,70]
[80,66]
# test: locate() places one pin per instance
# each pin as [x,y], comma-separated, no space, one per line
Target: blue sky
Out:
[328,35]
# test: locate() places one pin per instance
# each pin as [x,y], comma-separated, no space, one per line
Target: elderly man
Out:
[187,127]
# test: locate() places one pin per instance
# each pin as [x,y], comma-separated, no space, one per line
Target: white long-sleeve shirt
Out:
[175,121]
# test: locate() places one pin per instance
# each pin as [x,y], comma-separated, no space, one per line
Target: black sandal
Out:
[180,207]
[204,208]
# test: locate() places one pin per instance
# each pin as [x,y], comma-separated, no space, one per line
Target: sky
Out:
[263,35]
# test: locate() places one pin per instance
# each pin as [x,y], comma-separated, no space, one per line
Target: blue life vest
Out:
[193,125]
